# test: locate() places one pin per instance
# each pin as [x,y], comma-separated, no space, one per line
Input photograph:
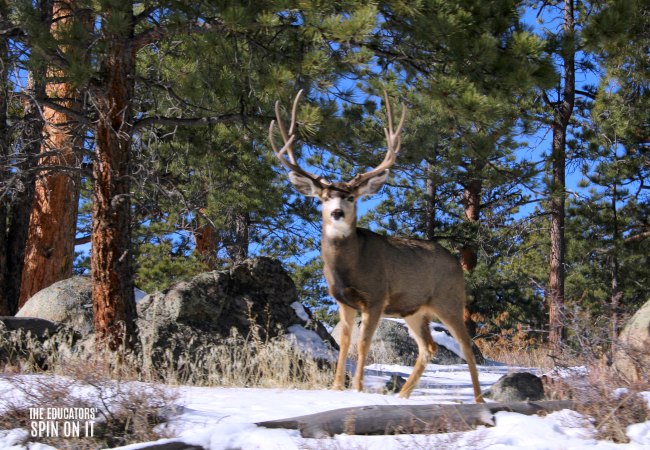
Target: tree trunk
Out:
[562,116]
[555,290]
[617,290]
[20,205]
[431,187]
[238,246]
[468,253]
[5,308]
[410,419]
[49,252]
[111,256]
[472,205]
[206,240]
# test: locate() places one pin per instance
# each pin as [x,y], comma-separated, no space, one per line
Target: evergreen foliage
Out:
[205,190]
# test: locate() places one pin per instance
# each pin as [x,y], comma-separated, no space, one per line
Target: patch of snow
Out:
[243,436]
[300,312]
[16,436]
[568,372]
[646,395]
[308,341]
[639,433]
[442,338]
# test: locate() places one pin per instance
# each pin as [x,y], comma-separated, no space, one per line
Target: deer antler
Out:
[393,143]
[289,138]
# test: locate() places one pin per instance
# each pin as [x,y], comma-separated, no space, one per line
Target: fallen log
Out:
[411,419]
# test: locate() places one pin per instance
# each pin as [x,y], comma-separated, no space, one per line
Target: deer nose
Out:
[337,214]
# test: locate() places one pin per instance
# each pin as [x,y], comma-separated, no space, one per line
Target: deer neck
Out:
[340,253]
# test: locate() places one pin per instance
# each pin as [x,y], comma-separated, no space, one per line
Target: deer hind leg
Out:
[456,326]
[418,323]
[369,322]
[347,322]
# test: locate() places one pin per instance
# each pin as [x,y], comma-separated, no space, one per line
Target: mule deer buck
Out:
[374,274]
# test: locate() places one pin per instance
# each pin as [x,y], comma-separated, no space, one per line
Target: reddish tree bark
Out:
[206,240]
[472,205]
[16,203]
[563,110]
[111,257]
[49,252]
[18,208]
[5,309]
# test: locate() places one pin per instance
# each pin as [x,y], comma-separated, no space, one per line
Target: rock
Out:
[40,328]
[29,342]
[394,385]
[393,344]
[632,357]
[67,302]
[516,387]
[256,296]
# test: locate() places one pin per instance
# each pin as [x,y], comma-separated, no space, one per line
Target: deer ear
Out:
[304,185]
[372,185]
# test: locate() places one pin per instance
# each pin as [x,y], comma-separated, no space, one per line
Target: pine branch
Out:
[587,94]
[183,121]
[161,31]
[10,30]
[79,117]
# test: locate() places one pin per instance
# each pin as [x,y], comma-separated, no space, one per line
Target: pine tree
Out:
[5,303]
[472,68]
[21,143]
[49,252]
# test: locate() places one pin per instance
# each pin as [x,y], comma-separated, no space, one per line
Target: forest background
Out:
[136,132]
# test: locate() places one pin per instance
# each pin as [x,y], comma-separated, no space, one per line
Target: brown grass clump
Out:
[609,403]
[112,413]
[239,361]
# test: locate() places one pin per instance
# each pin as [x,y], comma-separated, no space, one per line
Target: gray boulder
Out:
[516,387]
[39,328]
[632,356]
[256,296]
[67,302]
[392,344]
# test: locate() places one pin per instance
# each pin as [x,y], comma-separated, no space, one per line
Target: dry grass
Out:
[113,413]
[537,357]
[129,407]
[239,361]
[609,403]
[242,361]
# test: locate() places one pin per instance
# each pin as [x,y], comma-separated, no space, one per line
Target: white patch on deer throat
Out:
[337,229]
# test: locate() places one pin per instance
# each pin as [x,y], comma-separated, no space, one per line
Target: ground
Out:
[223,418]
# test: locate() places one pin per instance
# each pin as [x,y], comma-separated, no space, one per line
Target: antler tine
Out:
[289,139]
[389,111]
[393,144]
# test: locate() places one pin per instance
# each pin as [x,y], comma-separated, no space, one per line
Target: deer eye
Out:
[350,198]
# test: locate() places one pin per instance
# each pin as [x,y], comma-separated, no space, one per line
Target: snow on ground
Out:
[223,418]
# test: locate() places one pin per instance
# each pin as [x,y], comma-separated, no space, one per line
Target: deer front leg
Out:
[347,315]
[369,322]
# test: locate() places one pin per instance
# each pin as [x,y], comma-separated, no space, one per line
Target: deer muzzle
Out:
[338,214]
